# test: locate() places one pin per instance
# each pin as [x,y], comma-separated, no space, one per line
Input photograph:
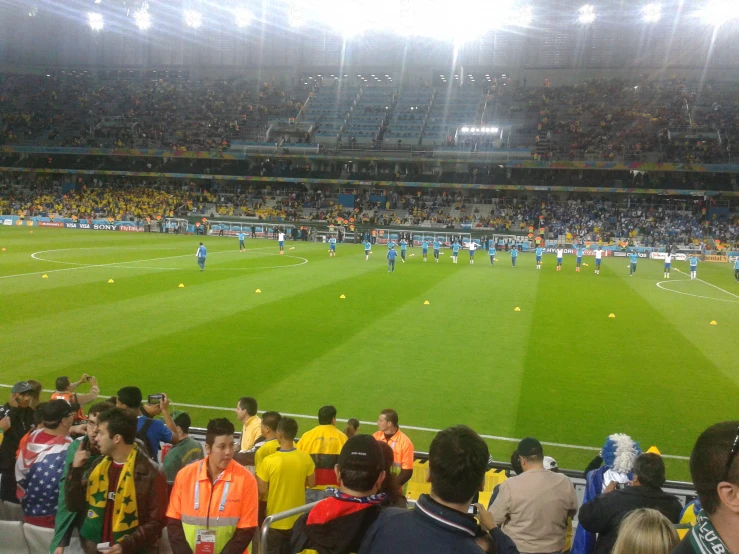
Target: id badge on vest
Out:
[205,541]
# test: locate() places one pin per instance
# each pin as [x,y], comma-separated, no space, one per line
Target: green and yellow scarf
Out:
[125,510]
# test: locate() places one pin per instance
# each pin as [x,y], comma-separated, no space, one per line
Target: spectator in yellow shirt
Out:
[246,411]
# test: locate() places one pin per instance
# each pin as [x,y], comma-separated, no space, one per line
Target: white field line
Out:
[414,428]
[698,295]
[719,288]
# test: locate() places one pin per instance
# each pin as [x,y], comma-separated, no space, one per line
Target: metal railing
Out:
[264,533]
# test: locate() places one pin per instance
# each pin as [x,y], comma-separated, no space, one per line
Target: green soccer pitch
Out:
[559,369]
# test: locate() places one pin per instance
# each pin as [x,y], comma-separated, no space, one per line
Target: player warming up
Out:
[579,251]
[455,252]
[693,267]
[437,245]
[560,253]
[200,255]
[281,241]
[491,253]
[242,238]
[598,258]
[391,255]
[332,247]
[736,269]
[634,257]
[539,252]
[425,249]
[668,263]
[473,246]
[403,246]
[367,249]
[514,256]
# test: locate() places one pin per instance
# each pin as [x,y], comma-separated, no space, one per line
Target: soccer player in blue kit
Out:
[693,267]
[634,258]
[437,245]
[514,256]
[367,248]
[242,237]
[455,252]
[491,253]
[200,255]
[539,252]
[579,251]
[332,247]
[403,246]
[391,255]
[425,249]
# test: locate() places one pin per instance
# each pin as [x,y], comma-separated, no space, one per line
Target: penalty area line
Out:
[414,428]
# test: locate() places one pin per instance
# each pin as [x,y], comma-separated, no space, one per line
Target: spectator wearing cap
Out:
[440,522]
[156,431]
[41,461]
[389,432]
[323,443]
[533,508]
[186,451]
[17,416]
[338,523]
[66,521]
[283,477]
[603,514]
[65,390]
[714,468]
[246,411]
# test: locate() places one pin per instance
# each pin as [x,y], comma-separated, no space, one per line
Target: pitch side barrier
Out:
[69,223]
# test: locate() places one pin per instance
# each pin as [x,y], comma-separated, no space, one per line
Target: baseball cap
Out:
[530,447]
[550,463]
[21,387]
[361,453]
[56,410]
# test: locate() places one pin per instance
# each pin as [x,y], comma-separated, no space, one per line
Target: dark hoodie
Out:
[335,525]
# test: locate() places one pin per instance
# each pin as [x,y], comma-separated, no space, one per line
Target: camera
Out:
[155,399]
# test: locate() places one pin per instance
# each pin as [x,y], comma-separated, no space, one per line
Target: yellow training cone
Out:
[258,291]
[342,297]
[426,303]
[654,450]
[45,276]
[611,315]
[110,281]
[181,286]
[3,249]
[516,309]
[714,322]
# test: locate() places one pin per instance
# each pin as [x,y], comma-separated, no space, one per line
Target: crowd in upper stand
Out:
[634,120]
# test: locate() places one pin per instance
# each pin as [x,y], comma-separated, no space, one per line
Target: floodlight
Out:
[242,17]
[525,16]
[651,13]
[718,12]
[95,21]
[586,14]
[33,11]
[193,19]
[142,19]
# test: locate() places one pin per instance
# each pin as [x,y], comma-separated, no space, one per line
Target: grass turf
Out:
[559,369]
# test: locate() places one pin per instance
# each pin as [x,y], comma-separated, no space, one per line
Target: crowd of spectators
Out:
[118,475]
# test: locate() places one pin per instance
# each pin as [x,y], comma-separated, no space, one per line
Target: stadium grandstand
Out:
[376,143]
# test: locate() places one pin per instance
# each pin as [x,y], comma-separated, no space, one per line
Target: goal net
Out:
[446,238]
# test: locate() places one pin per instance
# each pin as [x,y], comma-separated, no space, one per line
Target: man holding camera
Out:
[65,390]
[154,431]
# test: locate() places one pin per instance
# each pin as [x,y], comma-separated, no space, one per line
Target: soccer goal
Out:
[175,225]
[446,238]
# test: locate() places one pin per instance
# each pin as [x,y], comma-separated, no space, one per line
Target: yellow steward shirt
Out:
[323,443]
[286,472]
[251,432]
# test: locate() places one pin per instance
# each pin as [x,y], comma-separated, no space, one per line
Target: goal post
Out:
[175,225]
[445,237]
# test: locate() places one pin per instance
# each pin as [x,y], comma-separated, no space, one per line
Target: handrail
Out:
[300,510]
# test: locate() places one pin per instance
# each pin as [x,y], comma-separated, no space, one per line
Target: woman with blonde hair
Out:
[645,531]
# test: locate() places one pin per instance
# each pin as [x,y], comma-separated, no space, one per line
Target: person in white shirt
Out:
[598,258]
[668,263]
[473,246]
[560,254]
[281,241]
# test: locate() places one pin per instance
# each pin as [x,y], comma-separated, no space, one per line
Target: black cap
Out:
[530,447]
[361,453]
[130,396]
[21,387]
[56,410]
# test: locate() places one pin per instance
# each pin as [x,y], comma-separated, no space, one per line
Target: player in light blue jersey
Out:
[736,268]
[634,257]
[391,255]
[403,246]
[491,253]
[579,251]
[437,245]
[425,249]
[455,252]
[693,267]
[539,252]
[514,256]
[200,255]
[367,249]
[332,247]
[242,238]
[390,244]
